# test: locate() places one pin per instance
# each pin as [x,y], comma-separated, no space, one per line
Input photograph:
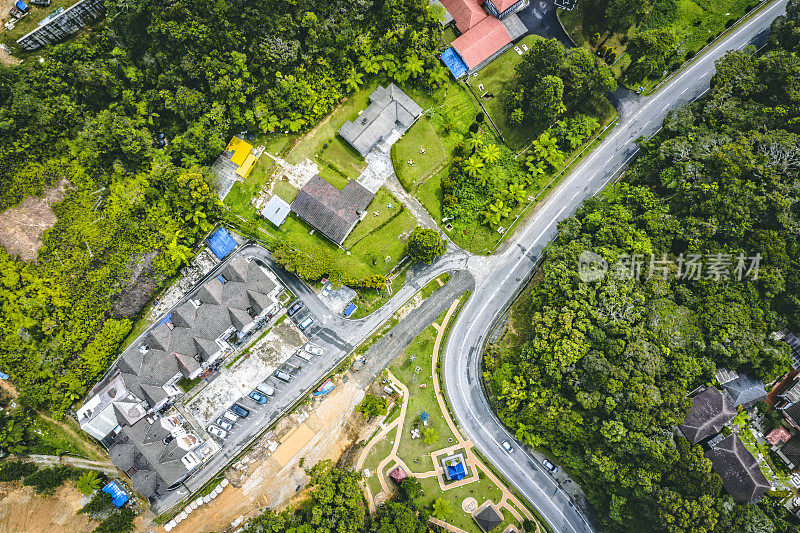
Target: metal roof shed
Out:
[276,210]
[221,243]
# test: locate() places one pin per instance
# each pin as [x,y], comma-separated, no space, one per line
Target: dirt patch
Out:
[6,58]
[139,288]
[22,510]
[333,427]
[22,226]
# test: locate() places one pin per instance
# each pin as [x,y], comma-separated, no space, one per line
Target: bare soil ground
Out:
[22,226]
[336,428]
[23,511]
[139,288]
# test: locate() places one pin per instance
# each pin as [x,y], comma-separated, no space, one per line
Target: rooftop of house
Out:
[745,391]
[740,473]
[484,39]
[710,411]
[389,107]
[465,13]
[778,435]
[332,212]
[398,474]
[487,517]
[503,5]
[276,210]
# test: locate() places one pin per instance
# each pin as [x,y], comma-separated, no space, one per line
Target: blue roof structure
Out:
[118,496]
[22,6]
[165,319]
[453,61]
[221,243]
[456,471]
[350,310]
[325,388]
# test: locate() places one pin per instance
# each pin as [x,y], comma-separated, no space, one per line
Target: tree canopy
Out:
[603,369]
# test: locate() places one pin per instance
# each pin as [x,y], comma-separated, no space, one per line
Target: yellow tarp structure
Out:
[239,151]
[247,166]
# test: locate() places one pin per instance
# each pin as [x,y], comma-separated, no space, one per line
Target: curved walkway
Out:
[507,501]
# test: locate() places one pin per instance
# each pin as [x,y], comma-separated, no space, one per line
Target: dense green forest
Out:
[92,111]
[601,374]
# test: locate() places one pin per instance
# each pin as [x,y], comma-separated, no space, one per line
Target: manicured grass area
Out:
[481,490]
[422,135]
[321,144]
[285,191]
[375,456]
[494,78]
[372,222]
[369,300]
[430,195]
[419,354]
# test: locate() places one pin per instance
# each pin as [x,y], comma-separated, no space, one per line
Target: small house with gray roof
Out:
[331,211]
[745,391]
[389,109]
[710,411]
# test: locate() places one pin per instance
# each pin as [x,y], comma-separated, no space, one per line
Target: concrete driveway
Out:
[539,17]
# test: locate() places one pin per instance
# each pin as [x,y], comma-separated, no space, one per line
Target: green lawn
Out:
[422,135]
[494,78]
[323,145]
[52,439]
[421,349]
[371,222]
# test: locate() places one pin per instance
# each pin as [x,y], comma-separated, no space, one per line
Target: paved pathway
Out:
[106,467]
[507,501]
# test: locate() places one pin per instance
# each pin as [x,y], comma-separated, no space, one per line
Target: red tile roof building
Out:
[778,436]
[466,13]
[487,38]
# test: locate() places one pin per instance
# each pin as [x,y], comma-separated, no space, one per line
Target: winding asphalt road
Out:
[500,277]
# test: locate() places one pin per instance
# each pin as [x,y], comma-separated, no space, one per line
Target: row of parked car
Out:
[260,394]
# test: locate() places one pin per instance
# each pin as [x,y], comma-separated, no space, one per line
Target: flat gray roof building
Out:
[389,108]
[276,210]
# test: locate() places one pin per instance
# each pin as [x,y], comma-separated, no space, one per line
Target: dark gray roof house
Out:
[739,470]
[710,411]
[745,391]
[488,517]
[389,108]
[332,212]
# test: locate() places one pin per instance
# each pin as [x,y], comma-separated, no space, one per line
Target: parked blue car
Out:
[260,398]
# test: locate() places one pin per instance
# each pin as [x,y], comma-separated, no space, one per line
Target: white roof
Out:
[276,210]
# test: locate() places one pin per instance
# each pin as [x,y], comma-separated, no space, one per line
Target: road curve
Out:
[499,278]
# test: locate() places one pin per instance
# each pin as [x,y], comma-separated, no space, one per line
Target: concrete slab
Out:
[337,299]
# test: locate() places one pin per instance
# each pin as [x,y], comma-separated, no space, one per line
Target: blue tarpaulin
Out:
[350,310]
[454,62]
[165,319]
[22,6]
[118,496]
[221,243]
[325,388]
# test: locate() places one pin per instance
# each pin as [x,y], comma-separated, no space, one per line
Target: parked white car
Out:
[312,348]
[218,431]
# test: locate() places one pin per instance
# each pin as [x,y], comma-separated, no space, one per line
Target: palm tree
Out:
[88,482]
[496,212]
[473,166]
[490,153]
[370,64]
[354,80]
[515,194]
[473,142]
[438,76]
[414,65]
[516,117]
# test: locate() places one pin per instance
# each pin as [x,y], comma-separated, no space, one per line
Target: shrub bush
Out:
[14,470]
[473,128]
[479,118]
[730,23]
[690,54]
[47,480]
[100,503]
[121,522]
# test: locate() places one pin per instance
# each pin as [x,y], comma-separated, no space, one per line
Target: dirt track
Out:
[269,484]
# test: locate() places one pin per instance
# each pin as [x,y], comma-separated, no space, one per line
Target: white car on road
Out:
[313,349]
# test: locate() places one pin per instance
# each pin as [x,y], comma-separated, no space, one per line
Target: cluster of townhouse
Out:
[131,411]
